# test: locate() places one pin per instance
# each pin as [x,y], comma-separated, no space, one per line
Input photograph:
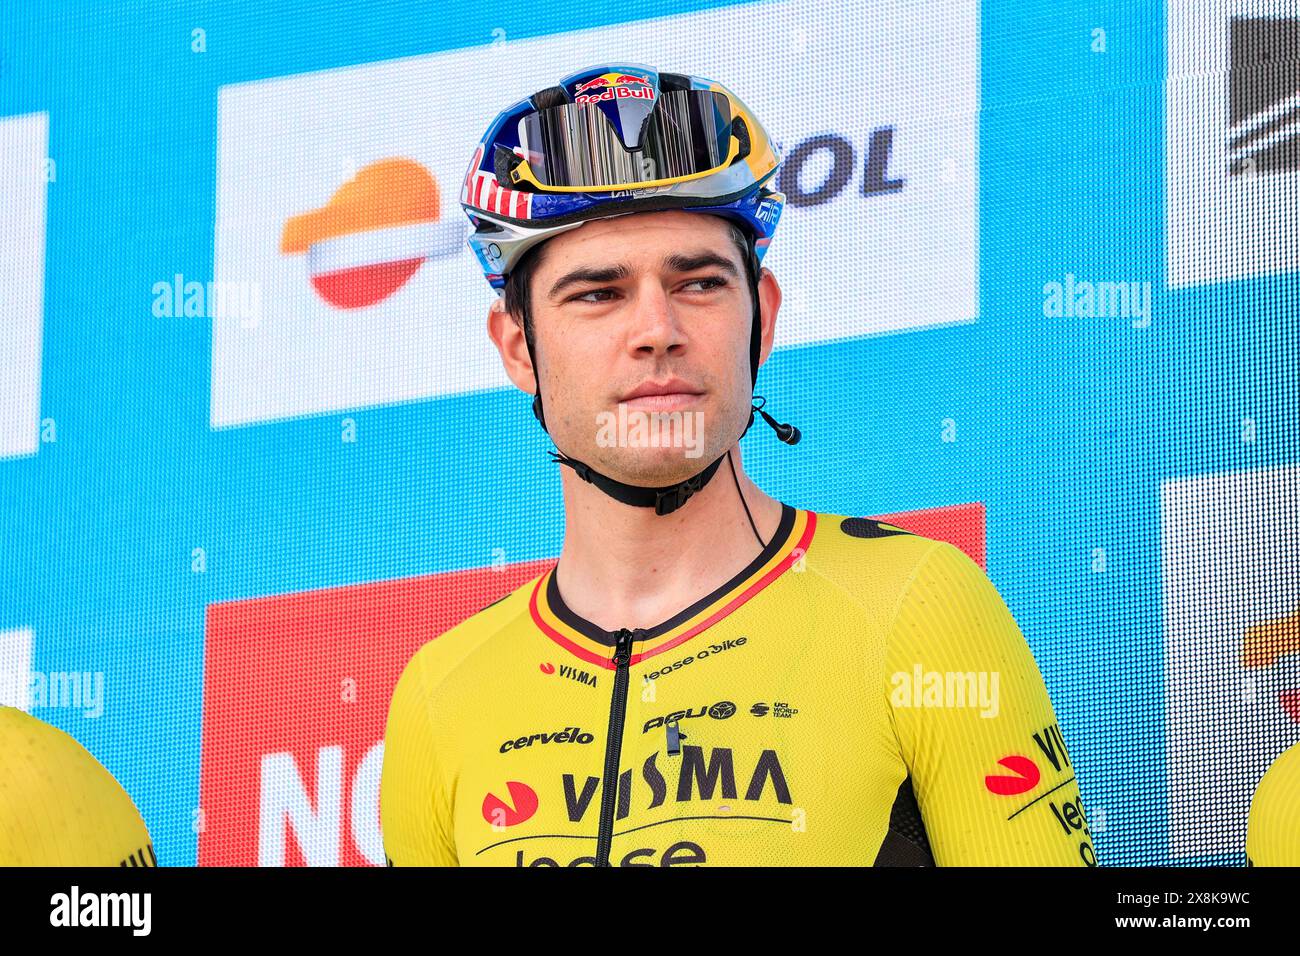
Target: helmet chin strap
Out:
[668,498]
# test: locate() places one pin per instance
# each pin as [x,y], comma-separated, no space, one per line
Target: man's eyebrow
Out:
[685,262]
[589,274]
[674,262]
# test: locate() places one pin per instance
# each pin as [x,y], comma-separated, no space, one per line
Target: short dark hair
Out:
[518,290]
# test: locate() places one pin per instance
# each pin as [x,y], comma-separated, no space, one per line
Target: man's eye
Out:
[712,282]
[582,297]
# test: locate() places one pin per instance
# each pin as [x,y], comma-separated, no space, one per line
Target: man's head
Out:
[619,302]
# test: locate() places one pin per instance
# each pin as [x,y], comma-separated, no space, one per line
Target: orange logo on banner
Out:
[1265,643]
[366,242]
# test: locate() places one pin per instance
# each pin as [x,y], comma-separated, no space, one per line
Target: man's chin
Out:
[654,467]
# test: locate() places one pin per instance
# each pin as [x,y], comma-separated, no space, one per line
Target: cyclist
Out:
[707,675]
[59,806]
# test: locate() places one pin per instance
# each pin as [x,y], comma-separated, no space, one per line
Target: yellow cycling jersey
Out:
[1273,830]
[858,695]
[59,806]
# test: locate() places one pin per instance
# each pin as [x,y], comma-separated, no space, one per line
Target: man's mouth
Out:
[664,403]
[669,395]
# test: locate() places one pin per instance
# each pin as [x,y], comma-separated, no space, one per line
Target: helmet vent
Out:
[741,131]
[551,96]
[504,161]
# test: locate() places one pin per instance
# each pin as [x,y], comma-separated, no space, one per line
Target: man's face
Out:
[644,299]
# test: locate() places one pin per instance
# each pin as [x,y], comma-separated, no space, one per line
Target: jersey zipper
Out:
[613,745]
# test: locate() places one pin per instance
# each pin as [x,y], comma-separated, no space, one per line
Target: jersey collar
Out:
[595,645]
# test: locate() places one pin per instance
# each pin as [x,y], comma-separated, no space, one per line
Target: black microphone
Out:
[786,433]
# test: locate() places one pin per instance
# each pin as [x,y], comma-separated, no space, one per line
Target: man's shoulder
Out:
[439,657]
[861,552]
[886,568]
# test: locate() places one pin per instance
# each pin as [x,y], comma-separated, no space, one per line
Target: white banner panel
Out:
[877,109]
[1230,559]
[1232,175]
[16,667]
[23,151]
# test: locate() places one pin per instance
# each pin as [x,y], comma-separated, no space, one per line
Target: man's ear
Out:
[769,302]
[507,334]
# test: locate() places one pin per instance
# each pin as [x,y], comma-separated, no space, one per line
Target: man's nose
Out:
[656,325]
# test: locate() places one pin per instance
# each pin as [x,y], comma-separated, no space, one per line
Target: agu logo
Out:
[373,234]
[522,805]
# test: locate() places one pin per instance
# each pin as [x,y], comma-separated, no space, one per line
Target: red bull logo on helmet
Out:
[611,86]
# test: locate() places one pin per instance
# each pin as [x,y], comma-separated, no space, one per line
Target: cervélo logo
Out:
[569,735]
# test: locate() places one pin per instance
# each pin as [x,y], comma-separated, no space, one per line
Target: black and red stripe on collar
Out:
[594,645]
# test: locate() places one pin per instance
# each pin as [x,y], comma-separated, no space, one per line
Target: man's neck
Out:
[624,566]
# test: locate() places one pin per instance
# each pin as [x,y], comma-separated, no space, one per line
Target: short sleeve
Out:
[59,806]
[986,757]
[415,812]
